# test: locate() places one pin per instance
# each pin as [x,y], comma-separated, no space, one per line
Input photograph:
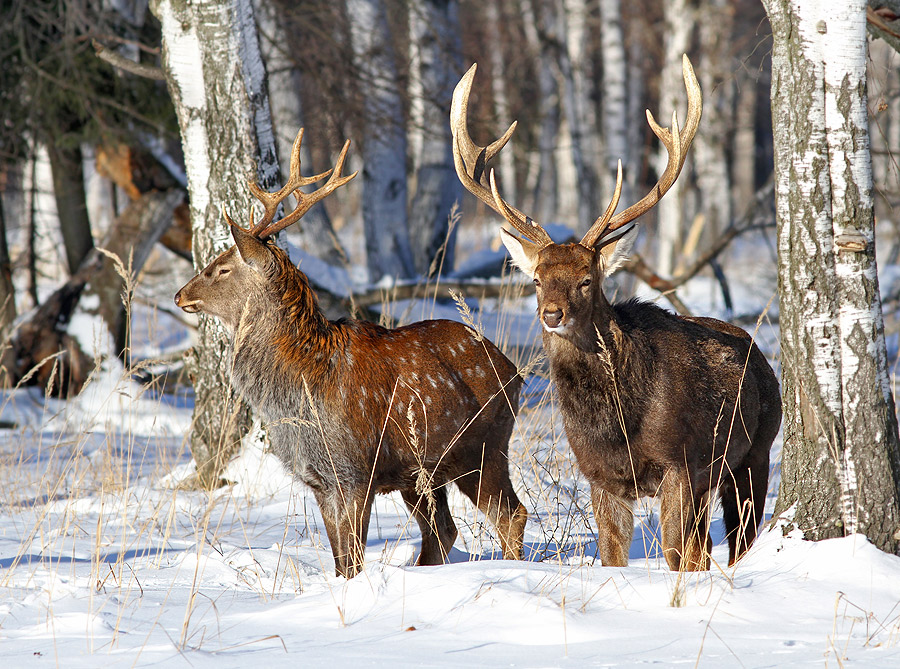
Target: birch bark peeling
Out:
[841,459]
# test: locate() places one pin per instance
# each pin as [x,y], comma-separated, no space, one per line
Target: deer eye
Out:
[223,271]
[585,283]
[537,283]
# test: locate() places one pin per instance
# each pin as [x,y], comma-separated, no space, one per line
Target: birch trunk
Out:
[573,65]
[670,212]
[7,289]
[710,147]
[435,67]
[743,163]
[841,458]
[217,82]
[616,117]
[315,234]
[543,180]
[383,143]
[506,160]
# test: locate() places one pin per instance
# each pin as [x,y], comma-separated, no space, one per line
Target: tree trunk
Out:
[841,458]
[743,163]
[435,67]
[573,63]
[383,143]
[506,170]
[7,290]
[710,147]
[670,212]
[542,44]
[217,82]
[315,234]
[617,119]
[71,205]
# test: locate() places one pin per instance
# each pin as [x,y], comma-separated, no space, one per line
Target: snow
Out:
[108,559]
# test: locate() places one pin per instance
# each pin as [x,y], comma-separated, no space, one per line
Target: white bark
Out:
[435,67]
[543,180]
[315,233]
[710,145]
[841,464]
[217,81]
[383,143]
[507,172]
[743,163]
[580,119]
[670,212]
[617,117]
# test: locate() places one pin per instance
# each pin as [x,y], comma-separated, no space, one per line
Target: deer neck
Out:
[285,331]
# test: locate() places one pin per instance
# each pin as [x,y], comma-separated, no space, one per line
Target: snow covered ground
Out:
[106,561]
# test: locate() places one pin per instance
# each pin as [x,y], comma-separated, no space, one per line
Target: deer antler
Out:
[470,161]
[270,201]
[677,143]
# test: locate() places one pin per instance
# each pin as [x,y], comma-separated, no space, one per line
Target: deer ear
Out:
[252,249]
[523,252]
[614,249]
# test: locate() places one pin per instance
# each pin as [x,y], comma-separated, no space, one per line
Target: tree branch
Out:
[120,62]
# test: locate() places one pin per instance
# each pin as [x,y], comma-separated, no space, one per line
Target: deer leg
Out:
[329,516]
[684,521]
[492,492]
[435,523]
[615,526]
[354,509]
[743,502]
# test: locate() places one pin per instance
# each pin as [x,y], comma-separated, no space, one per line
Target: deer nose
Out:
[552,319]
[178,299]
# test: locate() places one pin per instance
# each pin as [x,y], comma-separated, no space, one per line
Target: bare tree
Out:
[841,461]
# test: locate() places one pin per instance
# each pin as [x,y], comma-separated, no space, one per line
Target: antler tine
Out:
[270,201]
[305,201]
[677,143]
[599,228]
[471,160]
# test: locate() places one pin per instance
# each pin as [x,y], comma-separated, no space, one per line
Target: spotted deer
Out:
[653,404]
[354,409]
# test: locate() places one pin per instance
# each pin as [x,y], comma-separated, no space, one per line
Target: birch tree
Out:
[316,234]
[615,110]
[573,65]
[383,144]
[710,152]
[435,67]
[216,77]
[679,19]
[841,459]
[542,43]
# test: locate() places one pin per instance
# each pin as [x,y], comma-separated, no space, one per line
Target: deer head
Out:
[222,288]
[568,277]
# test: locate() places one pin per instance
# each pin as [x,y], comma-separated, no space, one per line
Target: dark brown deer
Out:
[354,409]
[652,403]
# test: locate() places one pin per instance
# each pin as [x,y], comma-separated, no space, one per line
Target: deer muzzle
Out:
[552,319]
[190,306]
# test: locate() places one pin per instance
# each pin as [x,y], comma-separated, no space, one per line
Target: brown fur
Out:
[654,405]
[354,409]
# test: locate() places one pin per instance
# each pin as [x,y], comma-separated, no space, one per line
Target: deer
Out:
[653,404]
[353,409]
